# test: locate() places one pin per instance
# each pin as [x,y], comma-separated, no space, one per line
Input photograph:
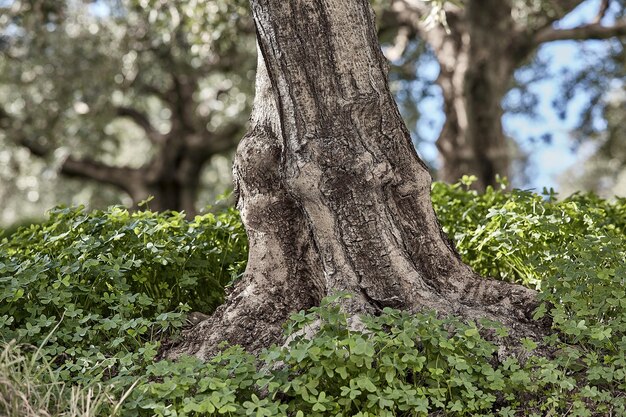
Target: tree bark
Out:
[332,192]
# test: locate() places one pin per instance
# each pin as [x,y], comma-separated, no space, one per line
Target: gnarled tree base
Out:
[253,317]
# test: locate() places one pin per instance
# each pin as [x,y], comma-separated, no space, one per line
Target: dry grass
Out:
[29,387]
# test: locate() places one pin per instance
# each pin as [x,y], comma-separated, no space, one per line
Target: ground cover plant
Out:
[91,296]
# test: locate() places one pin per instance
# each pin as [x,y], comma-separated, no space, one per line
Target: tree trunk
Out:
[174,189]
[477,60]
[477,55]
[173,176]
[170,181]
[332,192]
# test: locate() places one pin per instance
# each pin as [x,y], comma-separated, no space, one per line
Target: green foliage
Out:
[97,80]
[513,236]
[400,364]
[114,283]
[99,291]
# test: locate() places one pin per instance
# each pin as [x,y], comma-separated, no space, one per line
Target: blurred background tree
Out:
[135,94]
[480,47]
[600,136]
[112,101]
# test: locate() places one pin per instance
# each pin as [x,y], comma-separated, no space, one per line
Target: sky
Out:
[553,159]
[548,160]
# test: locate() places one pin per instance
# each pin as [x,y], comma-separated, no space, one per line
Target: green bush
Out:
[116,284]
[400,365]
[513,236]
[572,249]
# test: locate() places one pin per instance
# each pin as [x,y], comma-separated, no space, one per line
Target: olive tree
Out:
[139,95]
[332,193]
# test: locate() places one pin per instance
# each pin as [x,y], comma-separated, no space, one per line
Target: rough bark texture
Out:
[332,192]
[485,44]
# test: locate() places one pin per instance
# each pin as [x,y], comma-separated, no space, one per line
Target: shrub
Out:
[115,284]
[513,236]
[400,365]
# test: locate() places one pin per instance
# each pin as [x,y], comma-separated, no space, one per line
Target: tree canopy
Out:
[485,50]
[98,89]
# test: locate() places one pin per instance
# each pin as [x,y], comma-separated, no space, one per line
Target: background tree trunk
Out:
[477,55]
[332,192]
[484,43]
[171,180]
[172,177]
[476,70]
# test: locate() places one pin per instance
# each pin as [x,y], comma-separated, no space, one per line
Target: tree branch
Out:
[120,177]
[202,146]
[604,6]
[585,32]
[543,20]
[93,170]
[142,120]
